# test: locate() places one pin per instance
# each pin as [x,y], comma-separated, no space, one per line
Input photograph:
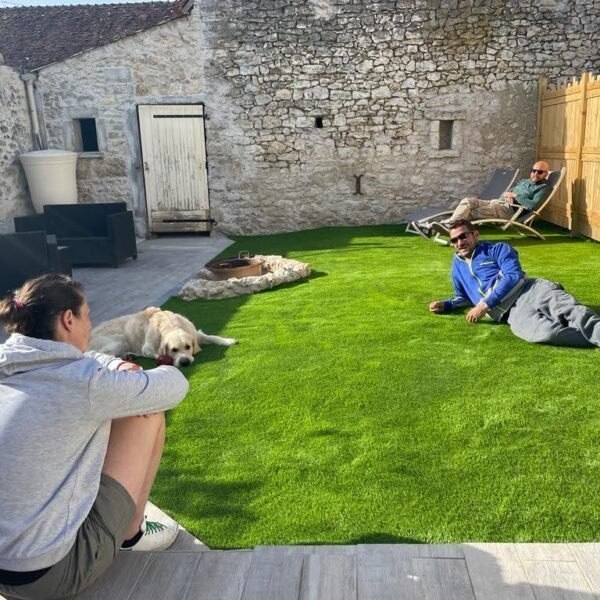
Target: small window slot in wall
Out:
[88,135]
[319,122]
[445,138]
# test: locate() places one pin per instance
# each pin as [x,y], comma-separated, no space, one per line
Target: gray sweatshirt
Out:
[56,405]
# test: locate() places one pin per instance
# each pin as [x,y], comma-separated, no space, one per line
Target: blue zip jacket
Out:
[493,274]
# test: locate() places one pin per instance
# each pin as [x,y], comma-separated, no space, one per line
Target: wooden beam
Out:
[542,85]
[576,190]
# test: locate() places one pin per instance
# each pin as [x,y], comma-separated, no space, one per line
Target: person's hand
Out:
[477,312]
[509,198]
[436,307]
[127,365]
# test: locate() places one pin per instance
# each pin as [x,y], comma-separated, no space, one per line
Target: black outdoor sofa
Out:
[96,234]
[27,255]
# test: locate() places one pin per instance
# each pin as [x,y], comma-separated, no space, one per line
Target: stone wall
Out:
[108,83]
[380,75]
[308,98]
[15,138]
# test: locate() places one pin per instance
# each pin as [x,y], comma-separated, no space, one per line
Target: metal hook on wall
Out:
[358,191]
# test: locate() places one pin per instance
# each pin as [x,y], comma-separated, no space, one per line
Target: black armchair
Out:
[95,233]
[27,255]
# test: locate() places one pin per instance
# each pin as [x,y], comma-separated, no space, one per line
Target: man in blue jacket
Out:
[488,277]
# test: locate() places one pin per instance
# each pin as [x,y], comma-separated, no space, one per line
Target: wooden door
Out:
[174,164]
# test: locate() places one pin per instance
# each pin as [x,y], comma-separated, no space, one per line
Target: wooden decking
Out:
[363,572]
[190,571]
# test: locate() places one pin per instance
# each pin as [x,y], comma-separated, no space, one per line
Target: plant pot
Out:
[239,266]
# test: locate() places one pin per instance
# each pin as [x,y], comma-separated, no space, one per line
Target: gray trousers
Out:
[544,313]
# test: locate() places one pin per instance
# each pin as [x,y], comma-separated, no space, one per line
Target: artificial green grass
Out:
[348,413]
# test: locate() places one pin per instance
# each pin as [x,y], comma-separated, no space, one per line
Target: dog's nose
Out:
[184,362]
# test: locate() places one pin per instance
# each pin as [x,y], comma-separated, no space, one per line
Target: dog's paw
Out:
[148,352]
[229,341]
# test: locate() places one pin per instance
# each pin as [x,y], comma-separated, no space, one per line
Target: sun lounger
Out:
[501,181]
[523,218]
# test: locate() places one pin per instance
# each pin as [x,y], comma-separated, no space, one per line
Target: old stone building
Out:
[95,77]
[314,112]
[15,137]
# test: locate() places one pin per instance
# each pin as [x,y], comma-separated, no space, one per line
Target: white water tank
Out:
[51,175]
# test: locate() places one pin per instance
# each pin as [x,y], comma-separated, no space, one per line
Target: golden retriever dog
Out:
[153,332]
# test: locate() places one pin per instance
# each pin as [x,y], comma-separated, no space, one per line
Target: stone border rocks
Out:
[276,270]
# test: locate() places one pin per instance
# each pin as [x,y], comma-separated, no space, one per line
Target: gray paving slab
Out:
[331,576]
[496,572]
[164,264]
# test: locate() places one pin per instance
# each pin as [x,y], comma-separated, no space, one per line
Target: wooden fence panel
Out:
[569,135]
[589,195]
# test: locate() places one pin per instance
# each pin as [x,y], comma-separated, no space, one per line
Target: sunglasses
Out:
[538,171]
[461,236]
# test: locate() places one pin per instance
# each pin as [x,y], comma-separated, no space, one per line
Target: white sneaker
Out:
[155,536]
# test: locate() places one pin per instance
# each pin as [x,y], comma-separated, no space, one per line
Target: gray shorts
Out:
[96,545]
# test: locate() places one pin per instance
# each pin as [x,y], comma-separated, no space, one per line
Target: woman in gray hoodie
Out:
[82,435]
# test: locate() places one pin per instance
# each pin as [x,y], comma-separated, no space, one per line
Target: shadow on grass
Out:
[377,537]
[553,234]
[208,499]
[380,537]
[326,238]
[196,498]
[520,242]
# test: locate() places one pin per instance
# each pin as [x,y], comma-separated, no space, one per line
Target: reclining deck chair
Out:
[523,218]
[501,181]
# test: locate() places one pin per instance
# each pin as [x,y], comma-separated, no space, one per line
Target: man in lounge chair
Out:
[488,276]
[529,193]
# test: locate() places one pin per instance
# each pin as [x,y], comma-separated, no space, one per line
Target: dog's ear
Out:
[163,349]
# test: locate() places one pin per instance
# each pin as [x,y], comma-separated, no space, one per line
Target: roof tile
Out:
[32,37]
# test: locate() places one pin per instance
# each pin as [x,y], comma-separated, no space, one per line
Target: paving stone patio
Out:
[163,265]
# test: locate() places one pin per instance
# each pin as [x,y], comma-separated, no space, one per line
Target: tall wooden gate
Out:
[175,174]
[569,135]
